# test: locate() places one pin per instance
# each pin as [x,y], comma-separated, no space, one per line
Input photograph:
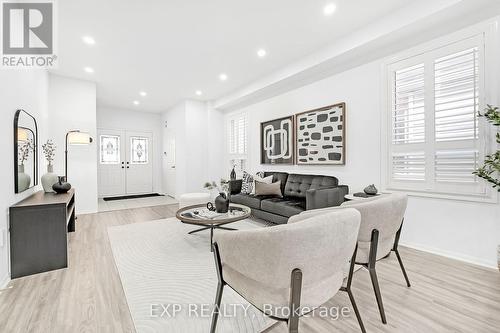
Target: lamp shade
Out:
[79,138]
[22,134]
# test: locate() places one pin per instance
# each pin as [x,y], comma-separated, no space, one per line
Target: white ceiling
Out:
[172,48]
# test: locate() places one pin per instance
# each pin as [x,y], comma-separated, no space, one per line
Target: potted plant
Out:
[222,200]
[490,170]
[49,178]
[23,179]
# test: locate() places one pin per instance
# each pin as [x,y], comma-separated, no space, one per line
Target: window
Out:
[139,150]
[237,142]
[434,141]
[109,149]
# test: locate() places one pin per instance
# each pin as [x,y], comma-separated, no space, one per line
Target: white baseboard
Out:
[4,281]
[452,255]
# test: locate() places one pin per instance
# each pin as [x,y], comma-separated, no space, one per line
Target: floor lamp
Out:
[74,137]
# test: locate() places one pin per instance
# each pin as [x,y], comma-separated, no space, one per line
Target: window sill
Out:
[492,198]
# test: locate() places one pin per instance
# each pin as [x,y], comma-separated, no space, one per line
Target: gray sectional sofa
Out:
[300,193]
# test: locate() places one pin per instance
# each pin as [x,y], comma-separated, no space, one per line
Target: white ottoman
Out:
[190,199]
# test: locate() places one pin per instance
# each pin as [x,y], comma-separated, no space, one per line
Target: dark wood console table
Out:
[39,227]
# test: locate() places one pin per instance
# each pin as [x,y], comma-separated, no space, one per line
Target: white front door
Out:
[111,175]
[169,179]
[125,162]
[139,164]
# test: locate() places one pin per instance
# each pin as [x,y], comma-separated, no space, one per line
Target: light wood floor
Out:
[446,295]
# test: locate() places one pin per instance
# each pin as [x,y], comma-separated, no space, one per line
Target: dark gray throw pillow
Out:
[268,189]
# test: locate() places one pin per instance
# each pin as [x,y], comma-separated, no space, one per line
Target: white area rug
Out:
[160,264]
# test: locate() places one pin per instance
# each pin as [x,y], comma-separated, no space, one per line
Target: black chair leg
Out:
[402,268]
[356,311]
[215,314]
[295,293]
[378,296]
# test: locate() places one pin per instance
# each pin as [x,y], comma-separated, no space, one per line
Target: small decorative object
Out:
[371,189]
[221,203]
[210,206]
[320,135]
[276,141]
[232,176]
[50,178]
[61,186]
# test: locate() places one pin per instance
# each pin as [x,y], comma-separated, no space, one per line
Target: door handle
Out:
[173,166]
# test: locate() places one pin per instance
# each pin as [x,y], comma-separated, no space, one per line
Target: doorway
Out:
[125,162]
[169,171]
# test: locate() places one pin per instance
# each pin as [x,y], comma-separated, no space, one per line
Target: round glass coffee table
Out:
[200,215]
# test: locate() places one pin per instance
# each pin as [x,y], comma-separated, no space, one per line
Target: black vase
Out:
[61,187]
[233,174]
[221,203]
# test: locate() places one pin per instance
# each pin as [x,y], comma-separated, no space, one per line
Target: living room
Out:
[250,167]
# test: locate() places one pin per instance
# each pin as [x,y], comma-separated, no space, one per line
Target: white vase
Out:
[23,179]
[49,179]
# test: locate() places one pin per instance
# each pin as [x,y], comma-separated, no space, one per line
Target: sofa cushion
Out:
[250,200]
[283,206]
[281,176]
[247,184]
[273,189]
[297,185]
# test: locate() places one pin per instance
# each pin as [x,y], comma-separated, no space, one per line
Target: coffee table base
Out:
[211,227]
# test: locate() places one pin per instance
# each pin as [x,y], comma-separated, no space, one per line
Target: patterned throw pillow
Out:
[247,184]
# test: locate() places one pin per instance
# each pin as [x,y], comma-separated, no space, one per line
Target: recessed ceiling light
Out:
[143,93]
[261,53]
[136,103]
[88,40]
[199,92]
[329,9]
[223,77]
[89,69]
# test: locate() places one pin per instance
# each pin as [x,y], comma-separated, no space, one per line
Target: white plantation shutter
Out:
[456,79]
[408,166]
[408,106]
[434,141]
[237,141]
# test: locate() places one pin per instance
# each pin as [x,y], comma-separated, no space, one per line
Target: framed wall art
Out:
[277,141]
[321,135]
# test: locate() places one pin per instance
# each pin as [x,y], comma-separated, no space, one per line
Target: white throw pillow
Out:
[267,180]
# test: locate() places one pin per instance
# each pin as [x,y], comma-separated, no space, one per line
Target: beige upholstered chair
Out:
[381,223]
[288,267]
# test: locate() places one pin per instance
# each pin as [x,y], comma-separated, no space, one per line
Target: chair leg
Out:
[215,314]
[402,268]
[347,289]
[395,249]
[295,293]
[356,311]
[378,296]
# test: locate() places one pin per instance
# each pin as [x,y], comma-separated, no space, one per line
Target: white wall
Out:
[18,90]
[465,230]
[199,133]
[120,119]
[72,105]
